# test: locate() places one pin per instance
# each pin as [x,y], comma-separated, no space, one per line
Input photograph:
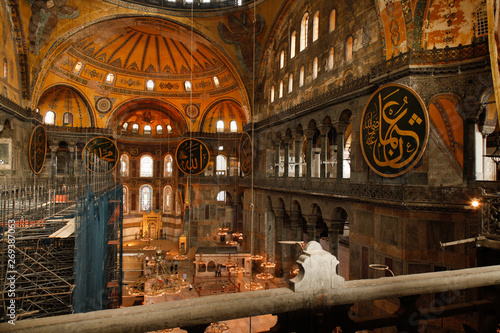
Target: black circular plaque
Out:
[192,156]
[37,149]
[394,130]
[245,150]
[100,155]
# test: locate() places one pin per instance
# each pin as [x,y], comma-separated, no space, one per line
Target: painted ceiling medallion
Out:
[394,130]
[103,104]
[192,111]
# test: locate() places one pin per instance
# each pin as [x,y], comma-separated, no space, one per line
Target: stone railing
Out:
[404,195]
[195,4]
[431,57]
[86,130]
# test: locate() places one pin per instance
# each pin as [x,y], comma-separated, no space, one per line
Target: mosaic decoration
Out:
[103,104]
[245,150]
[100,155]
[394,130]
[37,149]
[192,156]
[241,32]
[192,110]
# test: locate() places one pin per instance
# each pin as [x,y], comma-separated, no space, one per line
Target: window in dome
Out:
[135,128]
[316,26]
[331,53]
[125,127]
[5,69]
[332,20]
[315,68]
[146,195]
[124,163]
[233,126]
[220,165]
[290,83]
[146,166]
[78,67]
[293,39]
[68,119]
[281,89]
[301,76]
[110,78]
[168,165]
[150,85]
[159,129]
[304,26]
[282,59]
[221,148]
[220,126]
[169,129]
[348,48]
[187,86]
[272,94]
[50,118]
[216,82]
[147,129]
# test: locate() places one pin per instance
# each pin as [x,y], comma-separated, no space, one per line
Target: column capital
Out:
[310,133]
[324,129]
[277,141]
[279,212]
[311,219]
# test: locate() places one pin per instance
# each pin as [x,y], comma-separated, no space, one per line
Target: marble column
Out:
[335,230]
[279,216]
[277,147]
[340,154]
[298,147]
[310,137]
[286,147]
[311,227]
[324,129]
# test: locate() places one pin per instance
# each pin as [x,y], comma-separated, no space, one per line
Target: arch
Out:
[145,198]
[315,68]
[349,44]
[124,165]
[301,76]
[304,30]
[331,57]
[293,42]
[168,163]
[315,33]
[62,99]
[332,20]
[282,59]
[168,199]
[221,165]
[290,83]
[223,109]
[50,118]
[146,165]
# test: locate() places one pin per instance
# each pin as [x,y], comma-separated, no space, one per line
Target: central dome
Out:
[149,46]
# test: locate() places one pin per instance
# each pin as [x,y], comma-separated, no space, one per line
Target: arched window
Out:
[146,197]
[293,40]
[316,26]
[50,118]
[159,129]
[147,129]
[233,126]
[125,200]
[167,199]
[332,20]
[169,129]
[304,26]
[135,128]
[272,94]
[78,67]
[301,76]
[331,53]
[282,59]
[67,119]
[290,83]
[221,196]
[315,68]
[220,165]
[125,127]
[281,89]
[5,69]
[216,82]
[146,166]
[124,164]
[348,48]
[150,85]
[187,86]
[168,166]
[220,126]
[110,78]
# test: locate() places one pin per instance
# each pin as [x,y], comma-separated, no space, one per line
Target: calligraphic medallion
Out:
[100,155]
[37,149]
[192,156]
[394,130]
[245,150]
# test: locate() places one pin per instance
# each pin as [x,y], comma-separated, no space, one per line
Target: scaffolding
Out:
[37,243]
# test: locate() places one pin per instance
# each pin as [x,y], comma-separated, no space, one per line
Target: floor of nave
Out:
[210,285]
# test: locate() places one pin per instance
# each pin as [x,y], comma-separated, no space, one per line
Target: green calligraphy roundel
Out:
[394,130]
[192,156]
